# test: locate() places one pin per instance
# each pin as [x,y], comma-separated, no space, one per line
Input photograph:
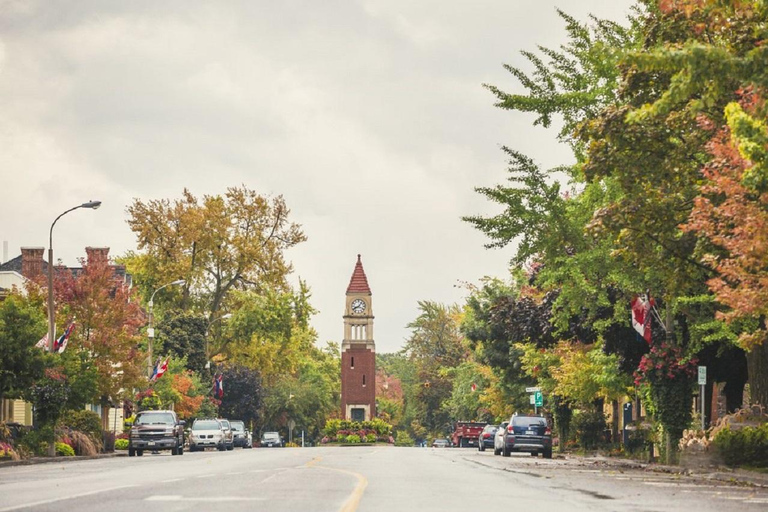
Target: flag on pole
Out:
[218,385]
[60,344]
[641,315]
[160,368]
[43,343]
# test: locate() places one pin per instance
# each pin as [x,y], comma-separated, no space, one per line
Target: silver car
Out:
[206,434]
[229,437]
[270,440]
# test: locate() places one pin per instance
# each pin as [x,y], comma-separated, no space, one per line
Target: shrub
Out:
[403,439]
[352,438]
[744,447]
[370,438]
[64,450]
[121,444]
[87,422]
[35,441]
[589,427]
[83,444]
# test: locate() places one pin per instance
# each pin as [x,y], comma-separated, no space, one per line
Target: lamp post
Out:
[93,205]
[207,357]
[150,329]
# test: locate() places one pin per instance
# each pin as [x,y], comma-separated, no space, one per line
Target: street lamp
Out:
[150,329]
[222,317]
[93,205]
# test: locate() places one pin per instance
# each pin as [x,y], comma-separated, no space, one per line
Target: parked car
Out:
[526,433]
[240,435]
[206,433]
[156,430]
[498,438]
[229,436]
[487,437]
[270,440]
[441,443]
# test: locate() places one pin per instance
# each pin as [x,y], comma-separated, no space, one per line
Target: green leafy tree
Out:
[22,324]
[183,335]
[243,394]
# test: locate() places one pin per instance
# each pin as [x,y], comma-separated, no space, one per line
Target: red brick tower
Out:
[358,351]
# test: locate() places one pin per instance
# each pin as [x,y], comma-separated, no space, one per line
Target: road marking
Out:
[236,473]
[63,498]
[206,476]
[351,504]
[171,480]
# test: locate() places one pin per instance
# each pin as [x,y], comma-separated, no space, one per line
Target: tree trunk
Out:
[615,411]
[757,369]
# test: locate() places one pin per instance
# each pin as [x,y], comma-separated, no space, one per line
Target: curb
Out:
[721,474]
[47,460]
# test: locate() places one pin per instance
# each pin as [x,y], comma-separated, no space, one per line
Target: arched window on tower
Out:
[353,363]
[363,380]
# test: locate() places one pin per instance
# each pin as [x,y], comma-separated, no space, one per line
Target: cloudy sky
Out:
[368,116]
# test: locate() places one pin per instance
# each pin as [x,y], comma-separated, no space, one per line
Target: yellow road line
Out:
[353,501]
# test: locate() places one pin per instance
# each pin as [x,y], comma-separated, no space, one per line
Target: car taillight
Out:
[548,431]
[486,435]
[511,429]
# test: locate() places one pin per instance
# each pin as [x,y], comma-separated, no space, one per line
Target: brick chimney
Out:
[97,255]
[32,261]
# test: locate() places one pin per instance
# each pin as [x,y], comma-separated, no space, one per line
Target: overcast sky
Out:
[368,116]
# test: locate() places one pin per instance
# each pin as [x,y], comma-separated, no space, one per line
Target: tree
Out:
[731,215]
[268,330]
[22,324]
[216,244]
[183,335]
[243,394]
[307,396]
[107,318]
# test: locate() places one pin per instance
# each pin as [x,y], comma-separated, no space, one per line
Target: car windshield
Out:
[225,424]
[206,425]
[270,435]
[238,426]
[528,421]
[155,418]
[488,428]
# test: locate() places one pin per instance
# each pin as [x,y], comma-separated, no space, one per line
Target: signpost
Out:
[702,393]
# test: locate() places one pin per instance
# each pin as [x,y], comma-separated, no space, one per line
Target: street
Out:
[359,478]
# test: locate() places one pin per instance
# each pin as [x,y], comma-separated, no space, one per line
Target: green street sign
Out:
[538,399]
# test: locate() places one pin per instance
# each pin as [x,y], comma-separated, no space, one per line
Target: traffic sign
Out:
[532,390]
[533,399]
[702,375]
[538,398]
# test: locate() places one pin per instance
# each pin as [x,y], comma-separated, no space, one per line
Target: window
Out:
[353,363]
[363,380]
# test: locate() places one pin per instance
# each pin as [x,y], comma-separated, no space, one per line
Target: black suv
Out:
[156,430]
[527,433]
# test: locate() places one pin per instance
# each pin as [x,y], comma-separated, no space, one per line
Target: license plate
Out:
[529,432]
[151,443]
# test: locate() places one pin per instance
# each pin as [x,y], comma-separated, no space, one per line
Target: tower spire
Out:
[359,282]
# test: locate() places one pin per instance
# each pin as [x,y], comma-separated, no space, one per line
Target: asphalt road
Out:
[359,478]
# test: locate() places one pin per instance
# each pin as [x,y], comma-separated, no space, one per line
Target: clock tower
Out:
[358,351]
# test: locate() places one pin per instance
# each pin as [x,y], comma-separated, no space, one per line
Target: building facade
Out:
[358,350]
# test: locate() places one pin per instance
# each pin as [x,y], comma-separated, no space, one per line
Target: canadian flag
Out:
[641,315]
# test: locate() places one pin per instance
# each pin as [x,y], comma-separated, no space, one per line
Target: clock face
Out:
[358,305]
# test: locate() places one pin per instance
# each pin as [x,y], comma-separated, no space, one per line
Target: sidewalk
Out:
[721,473]
[45,460]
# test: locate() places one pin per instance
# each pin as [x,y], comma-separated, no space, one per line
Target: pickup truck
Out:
[467,433]
[156,430]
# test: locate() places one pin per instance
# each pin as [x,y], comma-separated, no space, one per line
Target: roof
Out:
[358,283]
[15,265]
